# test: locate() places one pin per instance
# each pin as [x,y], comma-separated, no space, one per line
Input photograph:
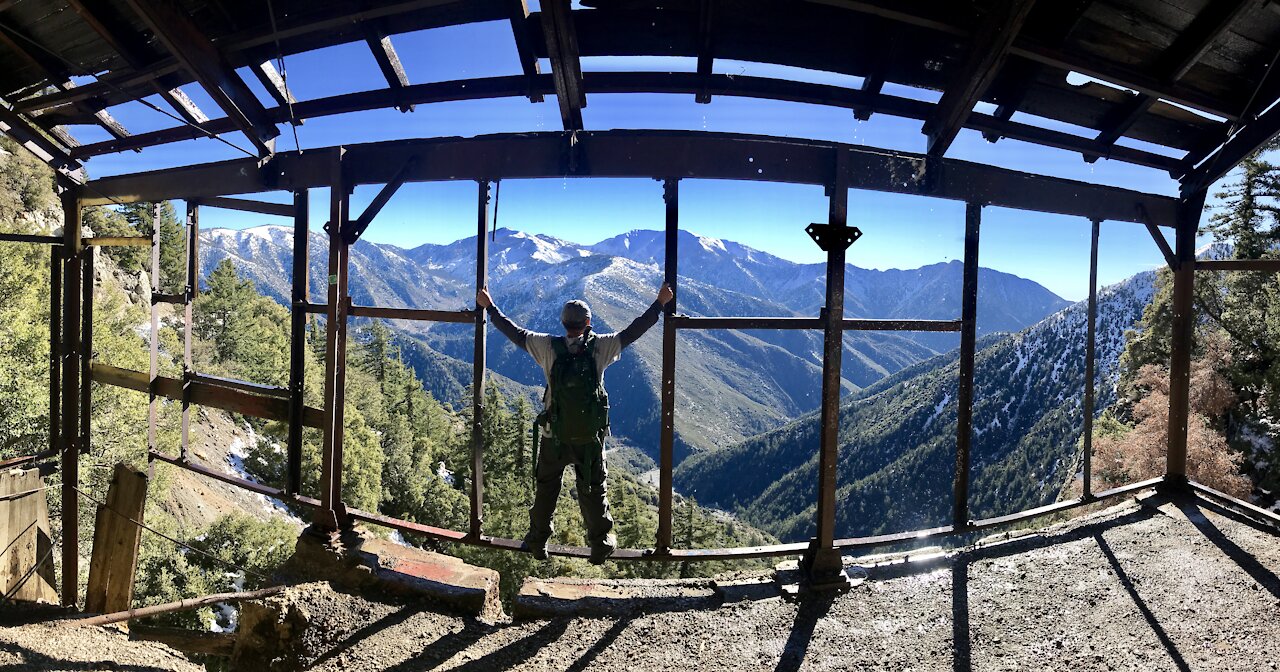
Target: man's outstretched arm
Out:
[647,319]
[511,330]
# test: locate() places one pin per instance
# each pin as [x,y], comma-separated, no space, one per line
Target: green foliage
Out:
[142,218]
[26,183]
[248,333]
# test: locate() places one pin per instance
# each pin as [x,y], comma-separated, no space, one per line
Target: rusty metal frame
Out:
[601,154]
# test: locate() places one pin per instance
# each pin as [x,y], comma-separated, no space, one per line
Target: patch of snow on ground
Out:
[236,454]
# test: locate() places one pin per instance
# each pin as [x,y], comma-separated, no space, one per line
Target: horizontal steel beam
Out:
[117,241]
[640,82]
[245,205]
[1266,265]
[687,322]
[242,385]
[643,154]
[1231,502]
[901,325]
[30,238]
[243,483]
[458,316]
[204,394]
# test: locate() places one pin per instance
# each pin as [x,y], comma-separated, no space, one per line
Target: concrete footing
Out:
[356,559]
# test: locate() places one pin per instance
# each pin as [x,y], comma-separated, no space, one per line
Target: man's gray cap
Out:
[575,312]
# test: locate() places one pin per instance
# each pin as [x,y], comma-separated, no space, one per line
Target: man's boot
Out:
[538,547]
[601,551]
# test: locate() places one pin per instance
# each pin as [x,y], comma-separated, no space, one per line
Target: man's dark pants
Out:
[589,468]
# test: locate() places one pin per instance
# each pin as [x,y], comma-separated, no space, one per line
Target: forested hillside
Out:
[897,437]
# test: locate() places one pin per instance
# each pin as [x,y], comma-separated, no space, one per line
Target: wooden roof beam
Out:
[388,62]
[56,72]
[519,15]
[24,133]
[1186,50]
[208,66]
[1052,23]
[1045,54]
[183,105]
[274,83]
[111,27]
[566,68]
[987,53]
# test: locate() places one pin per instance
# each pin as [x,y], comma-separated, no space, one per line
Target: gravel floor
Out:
[63,647]
[1135,589]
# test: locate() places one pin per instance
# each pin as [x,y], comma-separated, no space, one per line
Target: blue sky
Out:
[899,231]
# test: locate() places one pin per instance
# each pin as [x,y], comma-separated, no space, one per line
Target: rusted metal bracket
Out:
[352,233]
[829,237]
[1169,257]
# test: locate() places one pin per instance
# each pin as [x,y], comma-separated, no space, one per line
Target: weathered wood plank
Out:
[26,566]
[115,553]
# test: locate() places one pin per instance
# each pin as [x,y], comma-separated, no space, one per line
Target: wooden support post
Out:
[115,543]
[189,298]
[478,364]
[55,343]
[86,348]
[26,572]
[331,513]
[70,355]
[297,342]
[968,344]
[1090,348]
[821,562]
[666,446]
[1183,332]
[153,405]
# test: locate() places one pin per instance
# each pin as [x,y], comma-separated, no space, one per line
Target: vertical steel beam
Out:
[478,364]
[822,562]
[55,343]
[86,348]
[188,299]
[70,354]
[330,513]
[153,407]
[968,343]
[1183,331]
[1090,349]
[667,436]
[297,342]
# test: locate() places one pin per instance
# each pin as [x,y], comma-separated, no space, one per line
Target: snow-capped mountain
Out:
[731,384]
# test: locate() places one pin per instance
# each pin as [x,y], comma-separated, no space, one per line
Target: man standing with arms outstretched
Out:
[575,417]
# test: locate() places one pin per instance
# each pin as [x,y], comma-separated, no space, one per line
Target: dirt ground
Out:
[1179,588]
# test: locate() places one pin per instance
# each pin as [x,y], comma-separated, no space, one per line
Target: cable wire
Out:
[179,542]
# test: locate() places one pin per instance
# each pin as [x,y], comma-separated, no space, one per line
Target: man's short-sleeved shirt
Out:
[608,350]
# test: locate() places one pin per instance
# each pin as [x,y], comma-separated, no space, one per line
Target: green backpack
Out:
[578,412]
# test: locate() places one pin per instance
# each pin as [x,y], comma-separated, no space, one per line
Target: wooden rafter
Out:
[988,51]
[1051,23]
[111,27]
[1037,51]
[183,105]
[208,66]
[56,73]
[566,69]
[520,32]
[273,82]
[33,140]
[1186,50]
[388,62]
